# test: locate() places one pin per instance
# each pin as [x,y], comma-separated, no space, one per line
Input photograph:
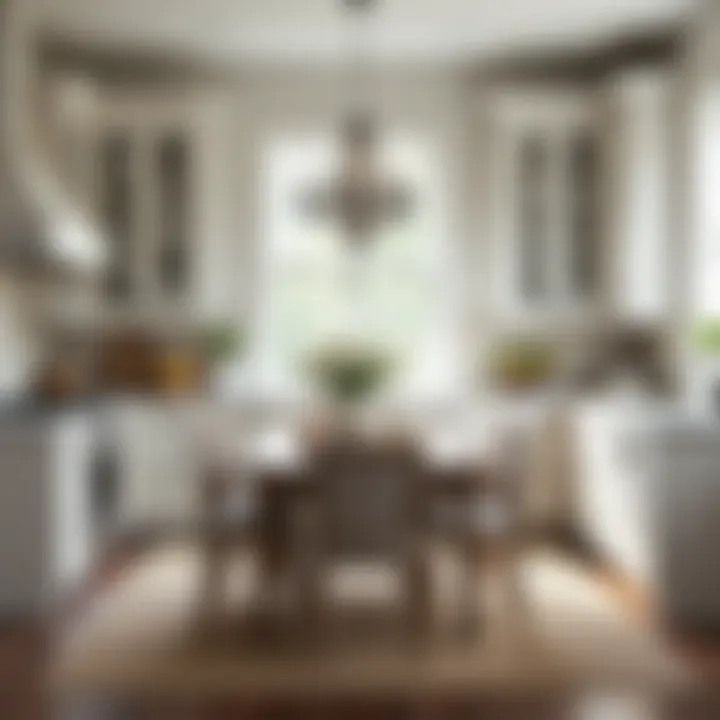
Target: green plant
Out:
[523,363]
[706,335]
[223,341]
[350,372]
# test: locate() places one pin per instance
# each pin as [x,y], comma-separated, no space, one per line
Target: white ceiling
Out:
[314,29]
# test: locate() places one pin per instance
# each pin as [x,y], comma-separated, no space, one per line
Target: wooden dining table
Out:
[274,466]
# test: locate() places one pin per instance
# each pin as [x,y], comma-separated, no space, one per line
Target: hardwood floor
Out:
[22,654]
[24,650]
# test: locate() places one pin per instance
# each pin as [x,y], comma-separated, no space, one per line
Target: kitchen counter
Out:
[23,411]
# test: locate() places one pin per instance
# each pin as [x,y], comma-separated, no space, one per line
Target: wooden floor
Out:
[24,648]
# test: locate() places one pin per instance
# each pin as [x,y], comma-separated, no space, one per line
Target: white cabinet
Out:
[159,466]
[146,190]
[46,528]
[162,173]
[687,474]
[543,185]
[616,491]
[639,142]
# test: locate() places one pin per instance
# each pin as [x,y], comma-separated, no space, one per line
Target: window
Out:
[583,220]
[534,280]
[395,293]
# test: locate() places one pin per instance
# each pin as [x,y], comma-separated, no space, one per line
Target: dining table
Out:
[273,465]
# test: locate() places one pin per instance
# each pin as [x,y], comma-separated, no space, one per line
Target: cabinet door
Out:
[160,468]
[583,219]
[545,188]
[71,445]
[116,201]
[640,165]
[533,219]
[172,174]
[146,200]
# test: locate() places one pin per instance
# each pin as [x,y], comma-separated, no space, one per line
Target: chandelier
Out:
[361,198]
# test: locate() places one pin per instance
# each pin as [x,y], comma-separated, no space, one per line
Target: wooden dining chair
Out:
[481,518]
[228,523]
[371,506]
[507,528]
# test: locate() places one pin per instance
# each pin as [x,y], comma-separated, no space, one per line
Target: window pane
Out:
[533,210]
[583,220]
[172,168]
[116,202]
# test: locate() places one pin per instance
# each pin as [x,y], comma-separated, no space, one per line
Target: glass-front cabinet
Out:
[146,187]
[543,182]
[160,170]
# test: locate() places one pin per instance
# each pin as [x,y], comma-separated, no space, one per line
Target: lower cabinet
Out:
[159,468]
[47,542]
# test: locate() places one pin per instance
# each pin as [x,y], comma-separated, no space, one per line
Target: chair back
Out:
[372,499]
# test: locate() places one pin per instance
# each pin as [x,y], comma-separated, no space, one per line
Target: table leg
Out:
[310,566]
[213,549]
[273,541]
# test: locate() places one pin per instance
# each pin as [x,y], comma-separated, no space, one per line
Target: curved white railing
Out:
[42,210]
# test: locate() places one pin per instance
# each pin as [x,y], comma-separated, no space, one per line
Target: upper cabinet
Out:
[543,184]
[161,176]
[639,110]
[148,189]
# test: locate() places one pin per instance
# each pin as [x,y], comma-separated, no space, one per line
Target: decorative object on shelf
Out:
[223,348]
[637,356]
[523,364]
[350,373]
[150,362]
[362,198]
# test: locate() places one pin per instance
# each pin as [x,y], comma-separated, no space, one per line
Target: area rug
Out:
[552,624]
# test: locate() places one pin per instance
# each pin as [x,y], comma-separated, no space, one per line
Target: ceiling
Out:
[311,30]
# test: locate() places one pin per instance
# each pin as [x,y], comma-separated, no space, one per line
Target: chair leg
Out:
[419,596]
[214,572]
[516,599]
[309,565]
[213,552]
[470,608]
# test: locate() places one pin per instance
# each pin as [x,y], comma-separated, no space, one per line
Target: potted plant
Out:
[349,373]
[523,364]
[223,344]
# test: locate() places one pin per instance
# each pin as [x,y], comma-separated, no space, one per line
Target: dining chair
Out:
[227,525]
[508,530]
[481,518]
[371,507]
